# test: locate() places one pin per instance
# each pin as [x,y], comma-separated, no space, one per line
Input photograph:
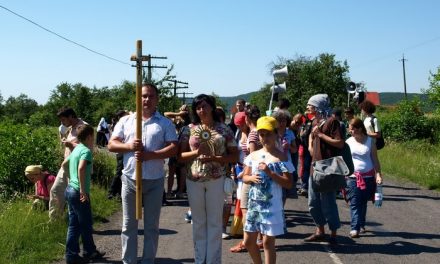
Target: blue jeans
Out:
[80,224]
[358,200]
[323,208]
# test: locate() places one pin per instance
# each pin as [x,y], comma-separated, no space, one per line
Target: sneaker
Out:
[95,255]
[170,195]
[225,236]
[303,192]
[181,196]
[188,217]
[353,234]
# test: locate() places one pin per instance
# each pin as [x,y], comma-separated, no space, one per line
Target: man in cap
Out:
[325,141]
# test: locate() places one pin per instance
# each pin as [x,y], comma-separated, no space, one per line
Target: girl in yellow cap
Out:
[268,170]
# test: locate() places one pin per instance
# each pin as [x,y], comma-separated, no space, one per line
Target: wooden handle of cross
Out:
[138,127]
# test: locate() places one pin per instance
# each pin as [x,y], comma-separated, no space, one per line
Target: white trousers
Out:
[57,199]
[206,200]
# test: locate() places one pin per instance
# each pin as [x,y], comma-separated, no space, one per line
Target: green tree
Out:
[19,109]
[1,106]
[434,89]
[307,77]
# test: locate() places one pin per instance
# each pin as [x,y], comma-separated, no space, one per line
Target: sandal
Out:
[315,238]
[238,248]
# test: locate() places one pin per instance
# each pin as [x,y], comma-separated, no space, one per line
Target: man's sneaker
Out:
[225,236]
[188,217]
[303,192]
[76,260]
[94,256]
[353,234]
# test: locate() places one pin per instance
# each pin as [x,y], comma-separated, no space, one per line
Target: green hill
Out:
[394,98]
[387,98]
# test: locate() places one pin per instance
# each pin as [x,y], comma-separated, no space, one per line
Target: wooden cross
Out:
[139,58]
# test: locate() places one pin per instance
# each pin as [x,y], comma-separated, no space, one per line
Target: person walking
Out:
[159,141]
[361,185]
[209,146]
[325,141]
[268,170]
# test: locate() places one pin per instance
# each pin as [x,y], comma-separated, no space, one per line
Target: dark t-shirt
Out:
[322,150]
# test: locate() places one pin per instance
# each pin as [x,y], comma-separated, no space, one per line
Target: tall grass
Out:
[27,237]
[417,161]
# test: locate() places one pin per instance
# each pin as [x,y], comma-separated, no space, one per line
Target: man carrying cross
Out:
[158,142]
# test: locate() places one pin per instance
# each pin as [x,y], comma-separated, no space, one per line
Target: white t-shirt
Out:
[367,124]
[361,154]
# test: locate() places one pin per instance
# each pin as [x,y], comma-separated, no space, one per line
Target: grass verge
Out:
[416,161]
[27,237]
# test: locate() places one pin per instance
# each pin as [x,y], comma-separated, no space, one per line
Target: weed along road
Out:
[405,229]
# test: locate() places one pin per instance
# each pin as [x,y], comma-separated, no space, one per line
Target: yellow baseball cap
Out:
[33,169]
[267,123]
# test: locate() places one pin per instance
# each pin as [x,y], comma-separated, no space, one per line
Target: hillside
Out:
[387,98]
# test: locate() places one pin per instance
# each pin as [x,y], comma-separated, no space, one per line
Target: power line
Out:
[392,54]
[62,37]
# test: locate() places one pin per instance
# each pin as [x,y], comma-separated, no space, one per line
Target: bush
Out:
[23,145]
[20,146]
[408,122]
[104,167]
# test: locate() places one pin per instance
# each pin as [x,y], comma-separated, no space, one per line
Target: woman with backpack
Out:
[371,122]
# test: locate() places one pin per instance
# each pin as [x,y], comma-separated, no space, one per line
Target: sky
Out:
[225,47]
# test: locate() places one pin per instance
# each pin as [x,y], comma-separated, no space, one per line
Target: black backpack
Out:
[380,142]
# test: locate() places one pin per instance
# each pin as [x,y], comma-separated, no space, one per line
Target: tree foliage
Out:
[434,89]
[19,109]
[307,77]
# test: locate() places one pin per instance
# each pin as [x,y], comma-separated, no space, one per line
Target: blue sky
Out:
[217,46]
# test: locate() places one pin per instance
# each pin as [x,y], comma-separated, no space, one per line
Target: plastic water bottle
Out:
[378,196]
[261,173]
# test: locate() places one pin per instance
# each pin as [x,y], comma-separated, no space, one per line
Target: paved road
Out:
[405,230]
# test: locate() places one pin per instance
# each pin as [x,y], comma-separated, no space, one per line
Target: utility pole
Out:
[404,75]
[184,97]
[178,87]
[149,66]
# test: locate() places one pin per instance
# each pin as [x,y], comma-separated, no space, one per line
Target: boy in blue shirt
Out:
[77,196]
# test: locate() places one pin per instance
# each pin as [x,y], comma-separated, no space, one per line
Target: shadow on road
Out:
[387,197]
[117,232]
[396,248]
[173,261]
[406,235]
[401,187]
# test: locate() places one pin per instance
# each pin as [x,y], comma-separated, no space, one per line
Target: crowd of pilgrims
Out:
[270,159]
[250,162]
